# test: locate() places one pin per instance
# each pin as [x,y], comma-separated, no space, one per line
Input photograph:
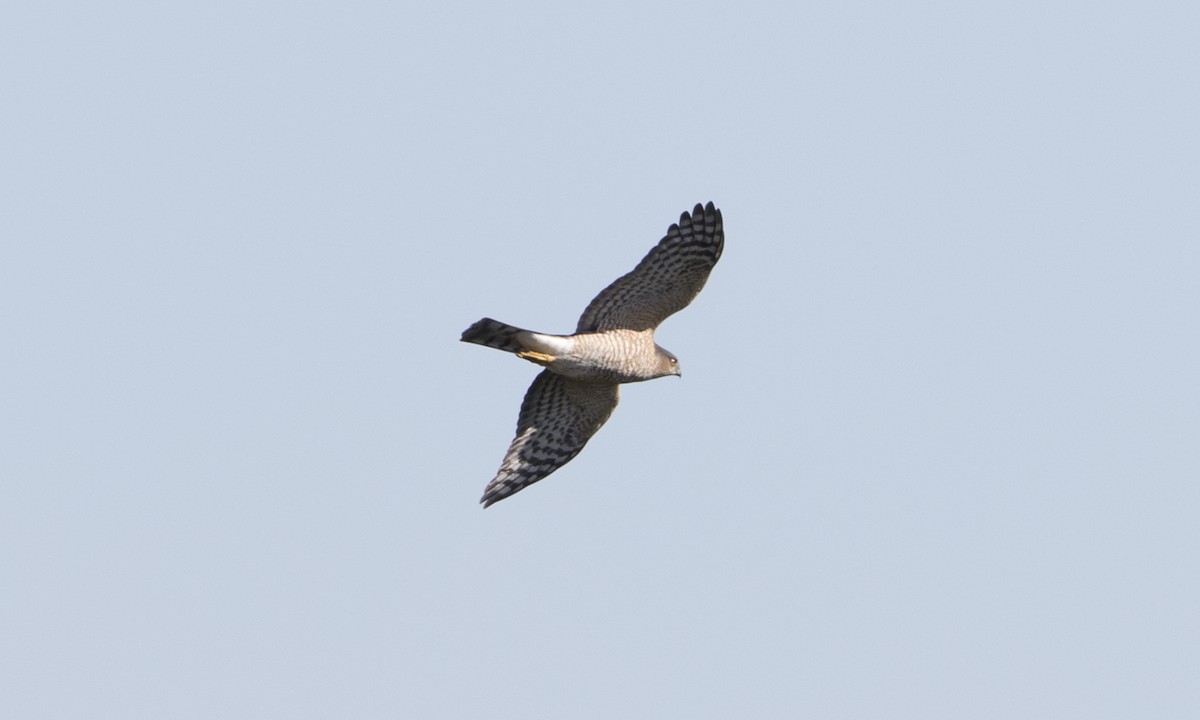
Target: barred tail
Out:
[495,334]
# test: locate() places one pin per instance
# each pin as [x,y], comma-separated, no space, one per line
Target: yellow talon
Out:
[537,357]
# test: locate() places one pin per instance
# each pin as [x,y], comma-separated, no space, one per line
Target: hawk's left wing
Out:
[665,281]
[558,416]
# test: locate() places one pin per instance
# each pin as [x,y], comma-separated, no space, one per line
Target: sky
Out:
[935,451]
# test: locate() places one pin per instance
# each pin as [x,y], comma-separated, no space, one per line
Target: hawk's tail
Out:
[495,334]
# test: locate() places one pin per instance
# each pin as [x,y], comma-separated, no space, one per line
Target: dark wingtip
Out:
[492,495]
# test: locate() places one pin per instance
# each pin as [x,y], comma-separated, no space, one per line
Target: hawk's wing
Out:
[558,416]
[665,281]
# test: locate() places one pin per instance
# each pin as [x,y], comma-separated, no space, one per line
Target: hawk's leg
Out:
[536,357]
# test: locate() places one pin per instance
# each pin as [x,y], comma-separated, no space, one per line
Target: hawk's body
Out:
[613,356]
[613,343]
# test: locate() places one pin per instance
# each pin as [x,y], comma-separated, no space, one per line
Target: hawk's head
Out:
[668,364]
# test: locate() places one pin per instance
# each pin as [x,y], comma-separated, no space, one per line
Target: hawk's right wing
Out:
[558,416]
[665,281]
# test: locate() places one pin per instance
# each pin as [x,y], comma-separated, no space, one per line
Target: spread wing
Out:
[558,416]
[665,281]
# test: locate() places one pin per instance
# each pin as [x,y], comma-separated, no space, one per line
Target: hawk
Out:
[612,344]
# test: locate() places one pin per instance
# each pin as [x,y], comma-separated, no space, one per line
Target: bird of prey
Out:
[612,344]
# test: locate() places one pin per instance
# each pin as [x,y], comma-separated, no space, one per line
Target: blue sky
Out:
[935,453]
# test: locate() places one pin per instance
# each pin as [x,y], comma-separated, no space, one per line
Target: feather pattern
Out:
[665,281]
[558,416]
